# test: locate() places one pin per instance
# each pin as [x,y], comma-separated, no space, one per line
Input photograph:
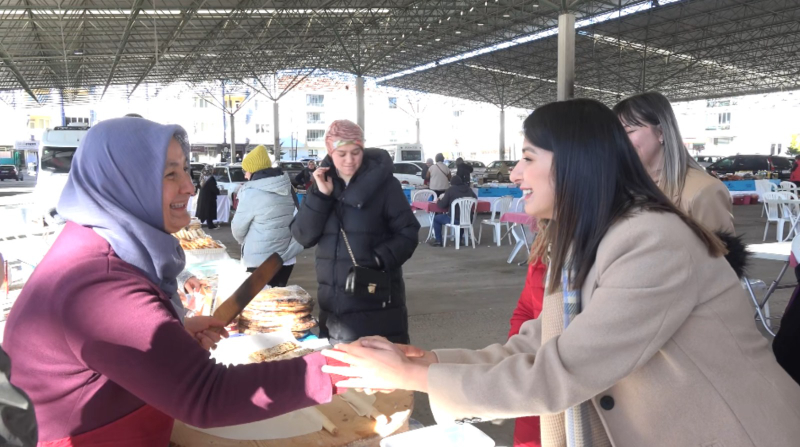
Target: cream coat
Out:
[665,347]
[707,200]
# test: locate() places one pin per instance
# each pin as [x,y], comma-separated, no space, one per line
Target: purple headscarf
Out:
[115,187]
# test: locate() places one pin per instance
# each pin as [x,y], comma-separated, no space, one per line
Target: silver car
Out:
[499,171]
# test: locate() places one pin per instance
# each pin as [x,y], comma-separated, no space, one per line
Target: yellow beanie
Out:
[256,160]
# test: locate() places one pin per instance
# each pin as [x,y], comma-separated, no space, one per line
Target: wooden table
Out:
[354,430]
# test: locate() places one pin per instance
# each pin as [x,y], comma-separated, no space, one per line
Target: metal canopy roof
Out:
[687,49]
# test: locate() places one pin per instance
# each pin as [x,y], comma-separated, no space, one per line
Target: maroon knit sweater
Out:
[92,339]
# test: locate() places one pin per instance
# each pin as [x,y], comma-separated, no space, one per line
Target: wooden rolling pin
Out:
[362,407]
[327,424]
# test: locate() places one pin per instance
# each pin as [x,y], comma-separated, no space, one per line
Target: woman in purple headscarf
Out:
[97,337]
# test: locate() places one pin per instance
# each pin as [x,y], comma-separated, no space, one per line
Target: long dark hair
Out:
[598,180]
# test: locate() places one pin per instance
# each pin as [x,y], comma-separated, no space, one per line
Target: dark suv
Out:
[10,172]
[782,166]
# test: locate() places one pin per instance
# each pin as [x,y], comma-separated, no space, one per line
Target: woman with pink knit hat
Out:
[356,210]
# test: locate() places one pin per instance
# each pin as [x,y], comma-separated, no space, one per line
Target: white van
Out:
[405,152]
[55,159]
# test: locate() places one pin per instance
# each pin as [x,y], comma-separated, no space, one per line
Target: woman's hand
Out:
[382,366]
[192,285]
[324,184]
[201,329]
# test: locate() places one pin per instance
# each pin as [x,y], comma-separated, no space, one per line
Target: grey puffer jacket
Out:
[265,211]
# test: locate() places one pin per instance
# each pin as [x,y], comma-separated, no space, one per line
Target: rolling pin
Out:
[327,424]
[362,407]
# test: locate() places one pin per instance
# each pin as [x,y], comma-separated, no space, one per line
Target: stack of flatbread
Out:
[283,351]
[279,309]
[193,238]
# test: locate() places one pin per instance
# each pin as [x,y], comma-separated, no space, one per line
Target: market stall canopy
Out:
[503,50]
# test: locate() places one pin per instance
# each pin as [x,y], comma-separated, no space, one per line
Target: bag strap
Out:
[338,212]
[349,250]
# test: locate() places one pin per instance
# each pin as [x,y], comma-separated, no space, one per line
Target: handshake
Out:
[373,364]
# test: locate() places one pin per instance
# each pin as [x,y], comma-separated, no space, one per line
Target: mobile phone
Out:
[325,164]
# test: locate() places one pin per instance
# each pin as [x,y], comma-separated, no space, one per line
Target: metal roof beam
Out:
[6,58]
[185,19]
[131,21]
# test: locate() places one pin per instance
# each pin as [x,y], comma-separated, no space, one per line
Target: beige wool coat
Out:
[665,348]
[707,200]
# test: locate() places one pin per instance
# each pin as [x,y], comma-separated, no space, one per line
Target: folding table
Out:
[774,251]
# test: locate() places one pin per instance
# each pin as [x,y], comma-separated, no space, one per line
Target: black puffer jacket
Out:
[380,227]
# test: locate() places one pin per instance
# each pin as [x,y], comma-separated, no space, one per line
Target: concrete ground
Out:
[464,298]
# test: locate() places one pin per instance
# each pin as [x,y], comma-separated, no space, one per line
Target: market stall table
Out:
[354,430]
[775,251]
[518,222]
[432,208]
[223,208]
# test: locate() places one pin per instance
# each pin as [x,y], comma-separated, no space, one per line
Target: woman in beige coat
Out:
[653,129]
[653,342]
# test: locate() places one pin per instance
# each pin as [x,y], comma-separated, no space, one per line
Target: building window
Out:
[723,140]
[314,118]
[392,103]
[72,119]
[200,103]
[724,120]
[38,123]
[314,135]
[262,128]
[393,136]
[315,100]
[312,153]
[457,113]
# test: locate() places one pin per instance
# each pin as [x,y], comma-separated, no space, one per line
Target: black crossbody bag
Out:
[365,283]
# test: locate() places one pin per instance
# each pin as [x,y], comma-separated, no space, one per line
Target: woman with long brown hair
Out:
[646,337]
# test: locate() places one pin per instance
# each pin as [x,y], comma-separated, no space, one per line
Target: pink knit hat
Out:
[342,132]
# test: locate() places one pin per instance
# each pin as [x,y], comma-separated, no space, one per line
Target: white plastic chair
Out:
[787,187]
[423,195]
[499,207]
[774,214]
[790,212]
[466,209]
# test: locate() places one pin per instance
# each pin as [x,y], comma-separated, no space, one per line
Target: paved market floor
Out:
[464,298]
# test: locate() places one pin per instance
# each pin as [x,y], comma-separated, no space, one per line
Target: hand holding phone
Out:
[324,182]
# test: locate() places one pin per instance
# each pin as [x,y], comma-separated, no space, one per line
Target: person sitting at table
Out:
[266,209]
[207,199]
[457,190]
[98,339]
[305,177]
[439,176]
[646,337]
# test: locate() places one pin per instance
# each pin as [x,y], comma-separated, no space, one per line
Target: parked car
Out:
[409,172]
[10,172]
[478,168]
[292,168]
[229,178]
[707,160]
[493,171]
[781,166]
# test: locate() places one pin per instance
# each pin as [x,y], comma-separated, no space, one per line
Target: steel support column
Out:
[276,122]
[502,133]
[360,101]
[566,56]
